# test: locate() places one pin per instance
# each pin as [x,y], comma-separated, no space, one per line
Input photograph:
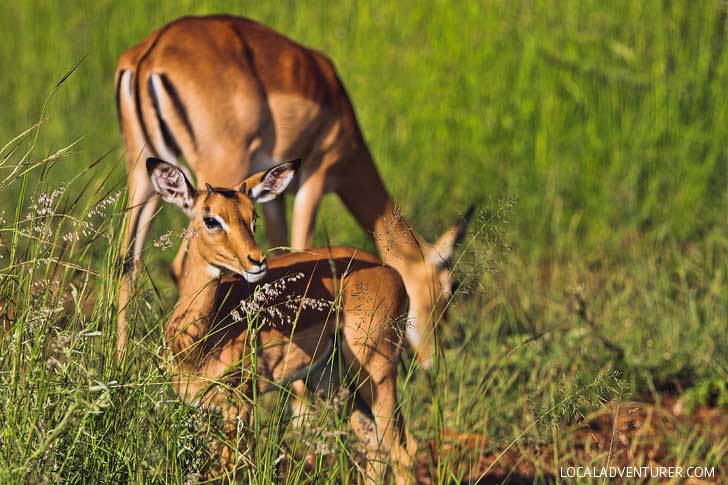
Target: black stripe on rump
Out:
[137,94]
[178,106]
[118,99]
[167,136]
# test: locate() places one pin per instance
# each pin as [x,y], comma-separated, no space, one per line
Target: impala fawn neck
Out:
[195,310]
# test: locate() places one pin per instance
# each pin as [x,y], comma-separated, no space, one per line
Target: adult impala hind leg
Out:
[143,201]
[143,205]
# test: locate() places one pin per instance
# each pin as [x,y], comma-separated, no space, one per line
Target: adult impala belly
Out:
[296,121]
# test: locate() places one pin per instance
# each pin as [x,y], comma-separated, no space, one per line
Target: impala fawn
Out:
[335,304]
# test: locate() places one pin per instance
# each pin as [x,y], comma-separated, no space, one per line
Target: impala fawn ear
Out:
[171,184]
[442,252]
[266,186]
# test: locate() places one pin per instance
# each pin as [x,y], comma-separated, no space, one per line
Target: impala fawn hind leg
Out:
[377,422]
[371,354]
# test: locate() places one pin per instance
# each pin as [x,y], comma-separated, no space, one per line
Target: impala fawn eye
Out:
[211,223]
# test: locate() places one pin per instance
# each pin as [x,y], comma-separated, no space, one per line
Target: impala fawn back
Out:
[231,97]
[306,306]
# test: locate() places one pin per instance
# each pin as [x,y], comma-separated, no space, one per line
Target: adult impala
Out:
[298,325]
[231,97]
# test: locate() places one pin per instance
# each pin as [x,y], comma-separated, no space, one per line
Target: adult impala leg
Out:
[143,205]
[142,198]
[142,212]
[274,213]
[305,207]
[399,246]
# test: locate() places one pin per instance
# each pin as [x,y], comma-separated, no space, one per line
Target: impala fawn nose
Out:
[257,262]
[256,270]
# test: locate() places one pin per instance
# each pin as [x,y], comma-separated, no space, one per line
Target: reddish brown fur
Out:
[251,96]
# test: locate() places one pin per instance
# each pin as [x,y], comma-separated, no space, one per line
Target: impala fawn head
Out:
[223,220]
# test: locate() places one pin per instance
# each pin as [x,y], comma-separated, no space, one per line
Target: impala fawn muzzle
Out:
[276,320]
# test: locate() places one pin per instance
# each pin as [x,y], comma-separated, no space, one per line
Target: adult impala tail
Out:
[231,97]
[301,306]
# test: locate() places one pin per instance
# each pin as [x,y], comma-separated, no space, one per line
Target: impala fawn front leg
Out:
[229,448]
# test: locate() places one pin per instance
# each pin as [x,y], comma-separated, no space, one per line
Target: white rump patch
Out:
[126,86]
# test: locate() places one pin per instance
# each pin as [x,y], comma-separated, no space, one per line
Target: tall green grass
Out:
[591,134]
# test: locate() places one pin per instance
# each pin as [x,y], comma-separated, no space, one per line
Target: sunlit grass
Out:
[592,136]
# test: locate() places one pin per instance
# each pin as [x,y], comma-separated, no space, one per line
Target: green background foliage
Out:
[590,134]
[602,118]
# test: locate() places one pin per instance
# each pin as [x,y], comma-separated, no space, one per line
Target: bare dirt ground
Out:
[629,434]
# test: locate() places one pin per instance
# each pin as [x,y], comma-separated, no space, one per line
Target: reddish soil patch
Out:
[632,434]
